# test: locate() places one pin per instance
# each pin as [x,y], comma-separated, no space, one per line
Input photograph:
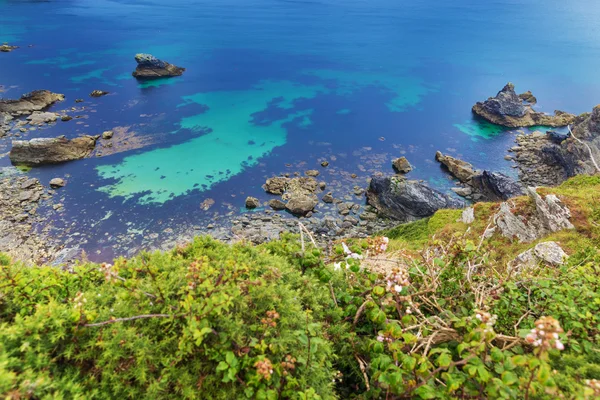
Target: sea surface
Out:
[277,86]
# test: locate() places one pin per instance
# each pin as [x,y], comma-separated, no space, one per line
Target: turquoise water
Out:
[274,83]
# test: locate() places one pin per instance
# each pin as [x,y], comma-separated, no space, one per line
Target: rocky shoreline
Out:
[299,200]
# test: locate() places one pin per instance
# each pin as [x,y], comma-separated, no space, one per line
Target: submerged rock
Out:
[151,67]
[30,102]
[507,109]
[401,165]
[50,150]
[405,200]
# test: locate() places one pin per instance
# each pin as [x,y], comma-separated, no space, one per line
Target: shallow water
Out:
[273,83]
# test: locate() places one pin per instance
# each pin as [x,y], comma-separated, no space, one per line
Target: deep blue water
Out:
[276,82]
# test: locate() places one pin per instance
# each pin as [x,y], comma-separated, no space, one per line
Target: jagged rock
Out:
[107,135]
[528,97]
[557,137]
[50,150]
[5,119]
[325,164]
[98,93]
[39,118]
[149,66]
[462,170]
[550,216]
[549,253]
[406,200]
[312,172]
[462,191]
[507,109]
[401,165]
[57,182]
[252,202]
[275,185]
[468,215]
[300,185]
[30,102]
[358,191]
[66,118]
[276,204]
[301,204]
[494,186]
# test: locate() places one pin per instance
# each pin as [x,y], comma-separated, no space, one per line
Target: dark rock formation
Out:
[480,186]
[50,150]
[151,67]
[543,160]
[507,109]
[252,202]
[405,200]
[558,137]
[401,165]
[30,102]
[494,186]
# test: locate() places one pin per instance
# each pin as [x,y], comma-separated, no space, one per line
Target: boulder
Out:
[507,109]
[528,97]
[406,200]
[252,202]
[468,215]
[460,169]
[277,205]
[107,135]
[149,67]
[301,204]
[275,185]
[325,164]
[50,150]
[328,198]
[5,119]
[549,253]
[557,137]
[401,165]
[57,182]
[40,118]
[30,102]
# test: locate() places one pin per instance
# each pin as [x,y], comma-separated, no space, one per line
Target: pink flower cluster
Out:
[545,334]
[109,274]
[264,368]
[397,280]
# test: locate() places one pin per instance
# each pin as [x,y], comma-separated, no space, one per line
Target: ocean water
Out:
[276,86]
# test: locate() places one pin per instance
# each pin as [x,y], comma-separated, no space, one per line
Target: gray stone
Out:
[468,215]
[401,165]
[57,182]
[549,253]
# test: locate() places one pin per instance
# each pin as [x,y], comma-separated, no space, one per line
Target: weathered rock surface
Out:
[149,66]
[548,253]
[30,102]
[405,200]
[546,160]
[107,135]
[481,186]
[50,150]
[277,204]
[252,202]
[507,109]
[98,93]
[462,170]
[40,118]
[302,204]
[401,165]
[5,119]
[528,97]
[468,215]
[275,185]
[57,182]
[550,215]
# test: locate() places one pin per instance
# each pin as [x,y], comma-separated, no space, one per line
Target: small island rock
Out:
[42,151]
[98,93]
[151,67]
[401,165]
[252,202]
[57,182]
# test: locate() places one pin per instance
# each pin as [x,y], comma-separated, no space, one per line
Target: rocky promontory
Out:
[151,67]
[30,102]
[509,109]
[50,150]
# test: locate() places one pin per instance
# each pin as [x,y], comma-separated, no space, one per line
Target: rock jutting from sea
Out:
[511,110]
[149,67]
[42,151]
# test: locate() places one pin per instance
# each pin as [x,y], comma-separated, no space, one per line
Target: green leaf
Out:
[444,360]
[426,392]
[509,378]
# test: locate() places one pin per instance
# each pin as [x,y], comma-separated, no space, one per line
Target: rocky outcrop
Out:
[252,202]
[548,160]
[401,165]
[98,93]
[5,119]
[302,204]
[479,186]
[50,150]
[149,67]
[30,102]
[405,200]
[528,97]
[298,192]
[507,109]
[548,253]
[550,215]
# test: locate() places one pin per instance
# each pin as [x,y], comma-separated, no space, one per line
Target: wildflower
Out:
[384,338]
[545,334]
[270,319]
[397,280]
[593,384]
[264,368]
[109,274]
[288,365]
[349,253]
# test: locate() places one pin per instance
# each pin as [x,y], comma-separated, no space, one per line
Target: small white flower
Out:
[337,266]
[559,345]
[397,288]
